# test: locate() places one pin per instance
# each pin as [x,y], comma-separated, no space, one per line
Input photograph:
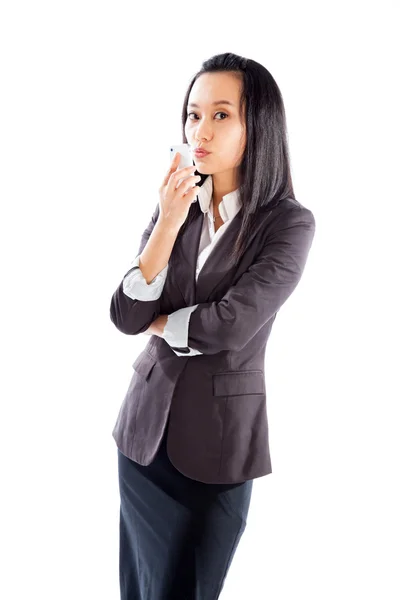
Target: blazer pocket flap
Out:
[237,383]
[144,364]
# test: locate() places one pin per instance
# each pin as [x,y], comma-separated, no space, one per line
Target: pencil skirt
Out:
[178,535]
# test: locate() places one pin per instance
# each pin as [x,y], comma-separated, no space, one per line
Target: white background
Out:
[91,98]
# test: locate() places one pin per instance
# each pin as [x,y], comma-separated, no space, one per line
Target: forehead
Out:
[211,88]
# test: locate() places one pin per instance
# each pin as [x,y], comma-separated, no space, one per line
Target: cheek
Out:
[238,144]
[236,133]
[242,139]
[237,140]
[188,129]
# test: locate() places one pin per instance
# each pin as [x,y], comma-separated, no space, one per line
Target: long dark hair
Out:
[264,173]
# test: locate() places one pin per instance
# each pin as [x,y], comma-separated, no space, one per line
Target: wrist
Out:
[166,227]
[162,321]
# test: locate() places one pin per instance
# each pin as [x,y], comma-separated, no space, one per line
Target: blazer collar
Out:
[215,268]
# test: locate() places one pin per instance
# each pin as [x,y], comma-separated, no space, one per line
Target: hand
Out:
[157,326]
[175,201]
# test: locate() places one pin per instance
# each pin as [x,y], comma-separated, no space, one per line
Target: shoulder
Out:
[289,210]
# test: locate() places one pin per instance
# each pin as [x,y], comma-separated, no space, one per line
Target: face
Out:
[218,128]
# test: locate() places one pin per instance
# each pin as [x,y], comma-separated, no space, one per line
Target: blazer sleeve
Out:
[136,287]
[233,321]
[131,315]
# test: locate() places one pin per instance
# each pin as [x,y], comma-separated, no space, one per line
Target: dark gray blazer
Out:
[216,401]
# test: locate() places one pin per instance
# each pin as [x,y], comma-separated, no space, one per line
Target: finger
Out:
[179,174]
[188,184]
[184,172]
[175,161]
[191,192]
[172,167]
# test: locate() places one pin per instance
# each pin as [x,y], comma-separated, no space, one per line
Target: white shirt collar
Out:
[229,205]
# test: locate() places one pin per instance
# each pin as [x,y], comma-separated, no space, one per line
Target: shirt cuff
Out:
[136,287]
[176,331]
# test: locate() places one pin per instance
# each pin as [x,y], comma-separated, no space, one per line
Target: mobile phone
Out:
[185,159]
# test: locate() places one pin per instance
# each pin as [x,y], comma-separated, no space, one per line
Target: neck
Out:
[223,184]
[215,203]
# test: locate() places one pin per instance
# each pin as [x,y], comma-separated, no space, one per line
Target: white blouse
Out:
[136,287]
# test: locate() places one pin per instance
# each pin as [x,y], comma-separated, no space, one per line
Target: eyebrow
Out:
[213,103]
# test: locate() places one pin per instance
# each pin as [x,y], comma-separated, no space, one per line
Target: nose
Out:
[202,132]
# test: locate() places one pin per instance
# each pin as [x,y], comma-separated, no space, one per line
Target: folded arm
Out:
[136,304]
[233,321]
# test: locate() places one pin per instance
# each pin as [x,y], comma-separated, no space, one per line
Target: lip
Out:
[201,152]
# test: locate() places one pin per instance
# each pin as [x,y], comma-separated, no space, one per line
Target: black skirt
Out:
[178,536]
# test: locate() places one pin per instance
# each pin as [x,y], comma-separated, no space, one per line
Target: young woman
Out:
[206,285]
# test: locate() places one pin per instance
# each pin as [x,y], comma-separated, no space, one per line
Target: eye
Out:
[218,113]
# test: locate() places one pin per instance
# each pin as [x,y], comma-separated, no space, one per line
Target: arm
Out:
[131,315]
[136,287]
[175,334]
[176,330]
[232,322]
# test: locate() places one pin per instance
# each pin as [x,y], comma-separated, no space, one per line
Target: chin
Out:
[201,169]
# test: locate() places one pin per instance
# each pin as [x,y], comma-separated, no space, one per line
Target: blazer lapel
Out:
[185,260]
[216,266]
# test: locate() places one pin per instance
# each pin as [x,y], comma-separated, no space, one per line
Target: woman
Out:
[207,283]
